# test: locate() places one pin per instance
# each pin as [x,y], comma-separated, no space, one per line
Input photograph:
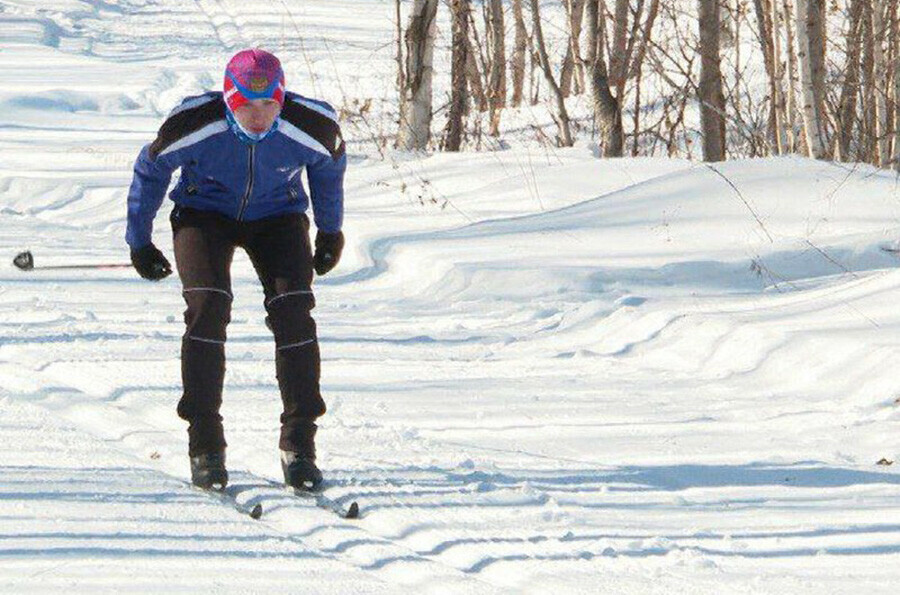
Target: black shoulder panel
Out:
[187,122]
[322,128]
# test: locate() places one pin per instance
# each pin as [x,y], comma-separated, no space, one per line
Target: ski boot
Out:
[300,471]
[208,471]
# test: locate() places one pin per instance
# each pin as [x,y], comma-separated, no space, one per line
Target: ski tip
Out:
[256,512]
[353,511]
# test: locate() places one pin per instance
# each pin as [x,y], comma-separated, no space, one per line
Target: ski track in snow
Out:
[543,371]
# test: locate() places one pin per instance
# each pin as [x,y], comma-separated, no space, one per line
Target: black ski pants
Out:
[279,249]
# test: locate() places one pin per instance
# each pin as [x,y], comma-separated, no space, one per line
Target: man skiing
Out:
[241,153]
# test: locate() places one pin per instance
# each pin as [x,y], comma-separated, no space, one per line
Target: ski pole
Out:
[25,262]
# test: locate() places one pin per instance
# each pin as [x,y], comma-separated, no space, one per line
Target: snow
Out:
[544,371]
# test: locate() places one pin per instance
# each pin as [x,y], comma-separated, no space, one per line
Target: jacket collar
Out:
[245,136]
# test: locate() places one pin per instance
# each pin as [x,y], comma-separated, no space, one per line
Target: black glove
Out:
[328,251]
[150,263]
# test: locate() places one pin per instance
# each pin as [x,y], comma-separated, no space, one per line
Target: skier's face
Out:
[258,115]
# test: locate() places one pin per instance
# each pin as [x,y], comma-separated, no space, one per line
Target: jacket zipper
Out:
[249,189]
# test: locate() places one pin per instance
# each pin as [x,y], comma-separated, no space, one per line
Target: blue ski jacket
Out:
[222,173]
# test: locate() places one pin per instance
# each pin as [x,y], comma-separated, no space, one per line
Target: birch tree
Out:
[790,111]
[882,155]
[497,52]
[850,87]
[520,48]
[561,116]
[607,113]
[895,45]
[810,56]
[416,93]
[572,68]
[458,85]
[712,98]
[766,19]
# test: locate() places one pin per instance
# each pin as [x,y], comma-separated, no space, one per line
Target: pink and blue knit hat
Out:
[253,74]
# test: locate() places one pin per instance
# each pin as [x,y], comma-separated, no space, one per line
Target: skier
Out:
[241,153]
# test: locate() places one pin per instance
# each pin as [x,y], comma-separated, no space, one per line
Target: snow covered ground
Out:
[544,371]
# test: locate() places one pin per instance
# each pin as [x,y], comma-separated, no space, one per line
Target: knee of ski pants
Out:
[289,316]
[208,313]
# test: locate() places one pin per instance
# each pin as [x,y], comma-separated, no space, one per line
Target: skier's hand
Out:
[150,263]
[328,251]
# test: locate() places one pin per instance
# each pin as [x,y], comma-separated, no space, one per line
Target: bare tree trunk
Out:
[636,67]
[564,137]
[712,99]
[636,119]
[607,112]
[416,95]
[519,51]
[764,21]
[534,87]
[781,119]
[459,89]
[401,82]
[890,66]
[736,38]
[883,153]
[646,37]
[568,63]
[895,44]
[791,107]
[571,68]
[473,74]
[850,87]
[497,74]
[810,54]
[817,43]
[890,35]
[867,146]
[576,46]
[617,61]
